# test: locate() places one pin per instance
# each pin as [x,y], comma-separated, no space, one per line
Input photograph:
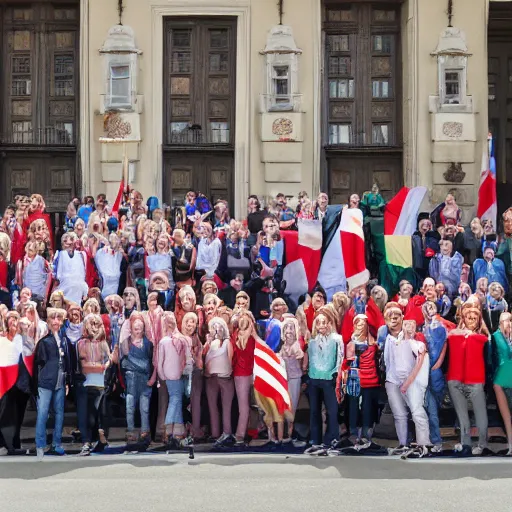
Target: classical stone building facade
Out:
[233,97]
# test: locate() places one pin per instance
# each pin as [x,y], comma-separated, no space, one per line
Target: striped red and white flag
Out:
[9,365]
[270,378]
[353,248]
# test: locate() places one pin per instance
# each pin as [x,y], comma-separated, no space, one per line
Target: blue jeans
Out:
[325,389]
[175,389]
[46,398]
[433,401]
[137,393]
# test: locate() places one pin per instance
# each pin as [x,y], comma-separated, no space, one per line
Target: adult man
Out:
[466,375]
[404,359]
[425,244]
[490,267]
[447,268]
[285,213]
[70,270]
[52,370]
[435,337]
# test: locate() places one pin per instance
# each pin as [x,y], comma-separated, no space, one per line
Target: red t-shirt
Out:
[243,359]
[466,362]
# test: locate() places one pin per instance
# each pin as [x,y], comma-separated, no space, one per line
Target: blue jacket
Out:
[450,279]
[46,362]
[496,272]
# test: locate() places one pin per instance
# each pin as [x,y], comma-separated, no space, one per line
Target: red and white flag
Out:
[487,199]
[303,254]
[9,365]
[353,248]
[270,378]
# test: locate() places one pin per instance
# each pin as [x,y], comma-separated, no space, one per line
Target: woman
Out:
[323,363]
[361,380]
[244,344]
[502,342]
[16,359]
[255,216]
[193,371]
[94,358]
[136,359]
[218,357]
[292,355]
[172,358]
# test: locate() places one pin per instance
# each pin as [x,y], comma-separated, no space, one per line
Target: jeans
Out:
[46,398]
[137,393]
[327,388]
[433,401]
[367,405]
[90,408]
[414,398]
[174,409]
[460,393]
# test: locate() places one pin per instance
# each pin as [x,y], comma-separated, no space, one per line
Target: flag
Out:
[303,253]
[487,200]
[122,185]
[9,365]
[119,198]
[352,248]
[400,220]
[270,379]
[332,270]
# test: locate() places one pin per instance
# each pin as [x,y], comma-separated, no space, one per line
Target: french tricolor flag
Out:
[487,200]
[9,365]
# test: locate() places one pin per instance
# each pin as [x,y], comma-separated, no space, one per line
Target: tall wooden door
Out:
[39,108]
[199,99]
[362,129]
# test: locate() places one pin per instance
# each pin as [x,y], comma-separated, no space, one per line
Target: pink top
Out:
[217,361]
[171,357]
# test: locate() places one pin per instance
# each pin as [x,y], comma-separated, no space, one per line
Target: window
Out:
[340,134]
[219,132]
[341,88]
[380,134]
[119,93]
[281,85]
[380,88]
[452,87]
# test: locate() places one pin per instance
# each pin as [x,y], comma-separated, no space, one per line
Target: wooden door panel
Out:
[179,178]
[386,172]
[356,175]
[347,176]
[220,178]
[212,175]
[20,178]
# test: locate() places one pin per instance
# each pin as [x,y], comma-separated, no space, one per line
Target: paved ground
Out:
[153,483]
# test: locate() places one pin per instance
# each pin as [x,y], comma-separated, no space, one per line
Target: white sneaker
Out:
[477,450]
[399,450]
[437,448]
[363,444]
[40,453]
[458,447]
[3,451]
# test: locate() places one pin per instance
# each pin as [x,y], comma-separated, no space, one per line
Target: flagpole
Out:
[125,168]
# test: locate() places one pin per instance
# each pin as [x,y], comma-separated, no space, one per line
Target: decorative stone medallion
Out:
[282,127]
[115,127]
[452,129]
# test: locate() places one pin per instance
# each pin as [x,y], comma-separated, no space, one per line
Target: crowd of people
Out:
[183,316]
